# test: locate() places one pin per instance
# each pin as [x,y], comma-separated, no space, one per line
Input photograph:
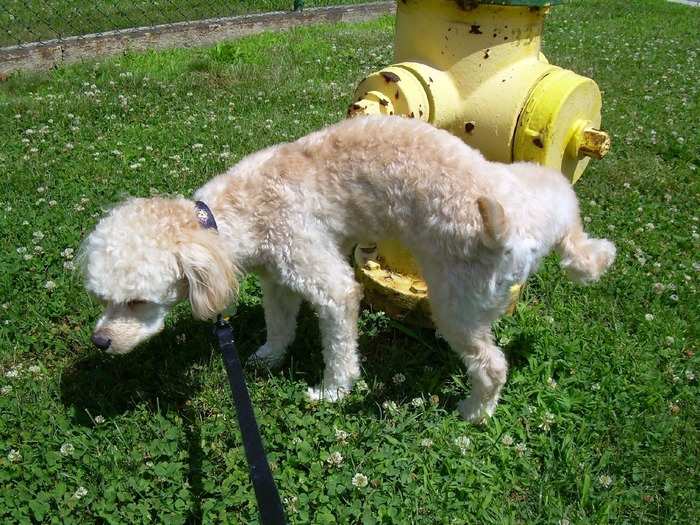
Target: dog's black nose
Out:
[101,341]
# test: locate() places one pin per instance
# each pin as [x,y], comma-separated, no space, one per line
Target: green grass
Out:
[153,435]
[32,20]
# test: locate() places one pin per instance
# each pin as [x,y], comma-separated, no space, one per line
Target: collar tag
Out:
[205,216]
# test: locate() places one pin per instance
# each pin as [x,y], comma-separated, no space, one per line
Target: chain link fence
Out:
[25,21]
[43,34]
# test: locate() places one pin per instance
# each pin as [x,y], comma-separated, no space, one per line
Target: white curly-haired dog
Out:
[292,213]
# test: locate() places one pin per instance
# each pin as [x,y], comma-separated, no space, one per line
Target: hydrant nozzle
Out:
[594,143]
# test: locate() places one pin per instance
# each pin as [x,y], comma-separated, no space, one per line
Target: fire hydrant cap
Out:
[559,125]
[392,91]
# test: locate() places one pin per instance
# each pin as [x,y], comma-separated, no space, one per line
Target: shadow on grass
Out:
[163,374]
[427,363]
[157,373]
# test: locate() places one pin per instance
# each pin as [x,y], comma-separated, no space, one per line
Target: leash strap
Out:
[269,504]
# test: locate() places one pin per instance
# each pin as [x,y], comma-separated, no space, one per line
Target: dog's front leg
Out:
[281,309]
[338,323]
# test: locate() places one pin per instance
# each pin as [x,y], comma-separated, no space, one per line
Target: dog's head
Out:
[145,256]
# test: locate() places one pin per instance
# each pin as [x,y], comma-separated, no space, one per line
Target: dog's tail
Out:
[584,259]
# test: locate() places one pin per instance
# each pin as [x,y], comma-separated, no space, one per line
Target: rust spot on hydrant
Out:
[354,110]
[475,30]
[419,287]
[467,5]
[469,126]
[384,102]
[390,77]
[486,54]
[396,96]
[537,141]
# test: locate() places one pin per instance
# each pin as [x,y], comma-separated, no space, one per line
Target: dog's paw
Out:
[475,410]
[266,357]
[331,394]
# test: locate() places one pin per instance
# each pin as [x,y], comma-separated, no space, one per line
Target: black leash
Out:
[269,504]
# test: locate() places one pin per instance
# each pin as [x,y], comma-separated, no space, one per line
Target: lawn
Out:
[31,20]
[599,418]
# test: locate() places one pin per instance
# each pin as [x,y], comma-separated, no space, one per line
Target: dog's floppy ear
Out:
[495,230]
[211,274]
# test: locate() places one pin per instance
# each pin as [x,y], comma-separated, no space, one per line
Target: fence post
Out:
[298,5]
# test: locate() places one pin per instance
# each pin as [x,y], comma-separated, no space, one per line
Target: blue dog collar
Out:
[205,216]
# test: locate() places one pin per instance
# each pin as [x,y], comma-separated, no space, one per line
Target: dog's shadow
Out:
[158,374]
[165,373]
[162,373]
[400,362]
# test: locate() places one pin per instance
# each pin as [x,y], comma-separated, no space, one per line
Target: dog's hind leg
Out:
[487,368]
[281,308]
[462,321]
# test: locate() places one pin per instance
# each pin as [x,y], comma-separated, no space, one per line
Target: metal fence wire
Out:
[25,21]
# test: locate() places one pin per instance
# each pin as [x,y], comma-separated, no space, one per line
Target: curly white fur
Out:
[292,213]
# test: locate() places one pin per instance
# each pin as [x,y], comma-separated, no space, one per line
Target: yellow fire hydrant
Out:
[474,68]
